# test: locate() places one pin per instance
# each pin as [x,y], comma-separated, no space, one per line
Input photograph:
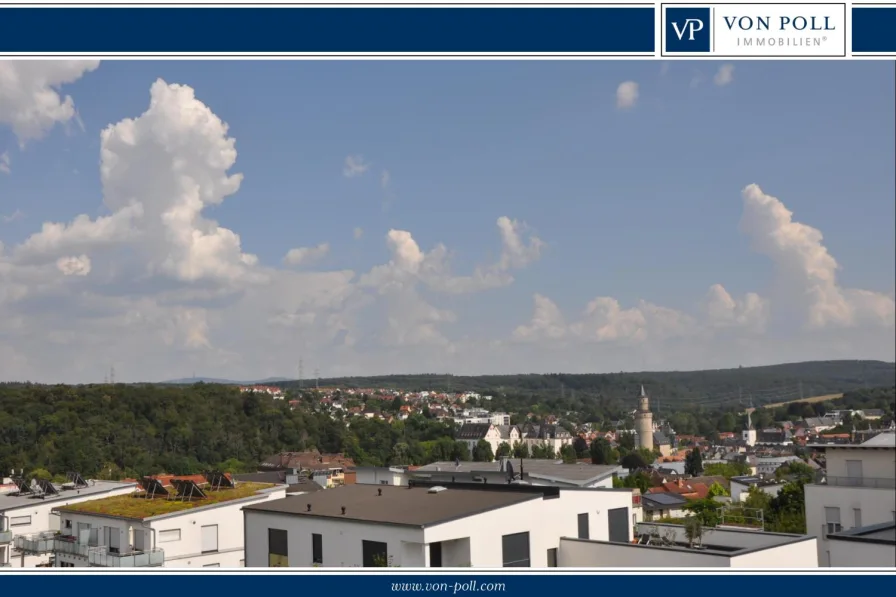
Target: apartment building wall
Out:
[475,540]
[185,537]
[855,495]
[854,554]
[37,516]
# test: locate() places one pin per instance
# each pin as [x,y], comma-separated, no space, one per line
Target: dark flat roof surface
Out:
[413,506]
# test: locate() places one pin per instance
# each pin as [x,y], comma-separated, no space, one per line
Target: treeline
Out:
[113,431]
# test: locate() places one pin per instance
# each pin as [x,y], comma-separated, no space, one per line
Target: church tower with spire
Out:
[644,422]
[749,434]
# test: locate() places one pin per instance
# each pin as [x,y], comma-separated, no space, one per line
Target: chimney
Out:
[343,510]
[309,508]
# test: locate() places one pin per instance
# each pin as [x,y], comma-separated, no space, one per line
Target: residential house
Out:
[859,490]
[547,435]
[542,472]
[740,486]
[181,522]
[656,506]
[662,443]
[432,525]
[472,433]
[27,517]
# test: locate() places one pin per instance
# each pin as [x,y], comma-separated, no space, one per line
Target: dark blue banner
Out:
[217,30]
[874,29]
[510,581]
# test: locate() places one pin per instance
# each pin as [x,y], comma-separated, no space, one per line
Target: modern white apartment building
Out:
[663,545]
[179,522]
[28,521]
[430,525]
[859,490]
[536,471]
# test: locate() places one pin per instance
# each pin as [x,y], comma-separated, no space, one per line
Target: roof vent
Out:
[379,492]
[309,508]
[437,489]
[343,509]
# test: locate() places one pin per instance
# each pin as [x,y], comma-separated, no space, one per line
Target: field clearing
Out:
[809,400]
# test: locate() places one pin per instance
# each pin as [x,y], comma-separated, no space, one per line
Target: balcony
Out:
[868,482]
[70,545]
[38,543]
[101,556]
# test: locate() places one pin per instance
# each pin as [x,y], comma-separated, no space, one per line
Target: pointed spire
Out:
[643,393]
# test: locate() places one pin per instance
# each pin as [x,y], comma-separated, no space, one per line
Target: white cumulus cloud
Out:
[74,266]
[354,166]
[306,255]
[627,95]
[725,75]
[30,101]
[4,162]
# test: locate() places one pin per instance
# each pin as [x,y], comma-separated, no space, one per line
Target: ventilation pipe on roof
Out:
[379,492]
[309,508]
[343,509]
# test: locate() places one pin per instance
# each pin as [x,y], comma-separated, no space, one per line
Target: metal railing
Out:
[871,482]
[36,544]
[101,556]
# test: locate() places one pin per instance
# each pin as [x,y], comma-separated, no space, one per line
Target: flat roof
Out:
[405,506]
[575,473]
[881,534]
[136,506]
[94,488]
[750,480]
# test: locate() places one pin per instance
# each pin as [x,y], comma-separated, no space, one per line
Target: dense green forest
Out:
[111,431]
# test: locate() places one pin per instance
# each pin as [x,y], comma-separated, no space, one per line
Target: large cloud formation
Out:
[158,289]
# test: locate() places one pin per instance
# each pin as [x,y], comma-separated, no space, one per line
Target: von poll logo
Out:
[771,29]
[688,29]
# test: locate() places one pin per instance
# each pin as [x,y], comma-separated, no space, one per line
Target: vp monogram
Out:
[690,27]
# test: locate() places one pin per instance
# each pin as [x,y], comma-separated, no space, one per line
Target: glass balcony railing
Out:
[5,537]
[101,556]
[36,544]
[69,545]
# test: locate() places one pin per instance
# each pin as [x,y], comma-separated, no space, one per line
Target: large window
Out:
[619,529]
[515,550]
[169,536]
[832,520]
[210,538]
[19,521]
[374,554]
[583,526]
[317,549]
[278,550]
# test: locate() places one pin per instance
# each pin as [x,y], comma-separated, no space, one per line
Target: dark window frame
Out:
[519,542]
[435,555]
[317,548]
[584,526]
[369,552]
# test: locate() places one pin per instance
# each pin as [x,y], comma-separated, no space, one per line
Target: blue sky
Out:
[643,203]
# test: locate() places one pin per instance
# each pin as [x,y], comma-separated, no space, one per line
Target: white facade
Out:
[860,490]
[471,541]
[868,547]
[203,536]
[28,517]
[381,475]
[741,549]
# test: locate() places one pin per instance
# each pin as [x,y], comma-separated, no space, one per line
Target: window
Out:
[169,536]
[68,523]
[583,526]
[211,565]
[66,565]
[210,538]
[435,555]
[515,550]
[317,549]
[617,523]
[552,557]
[857,517]
[832,520]
[374,554]
[854,470]
[278,550]
[19,521]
